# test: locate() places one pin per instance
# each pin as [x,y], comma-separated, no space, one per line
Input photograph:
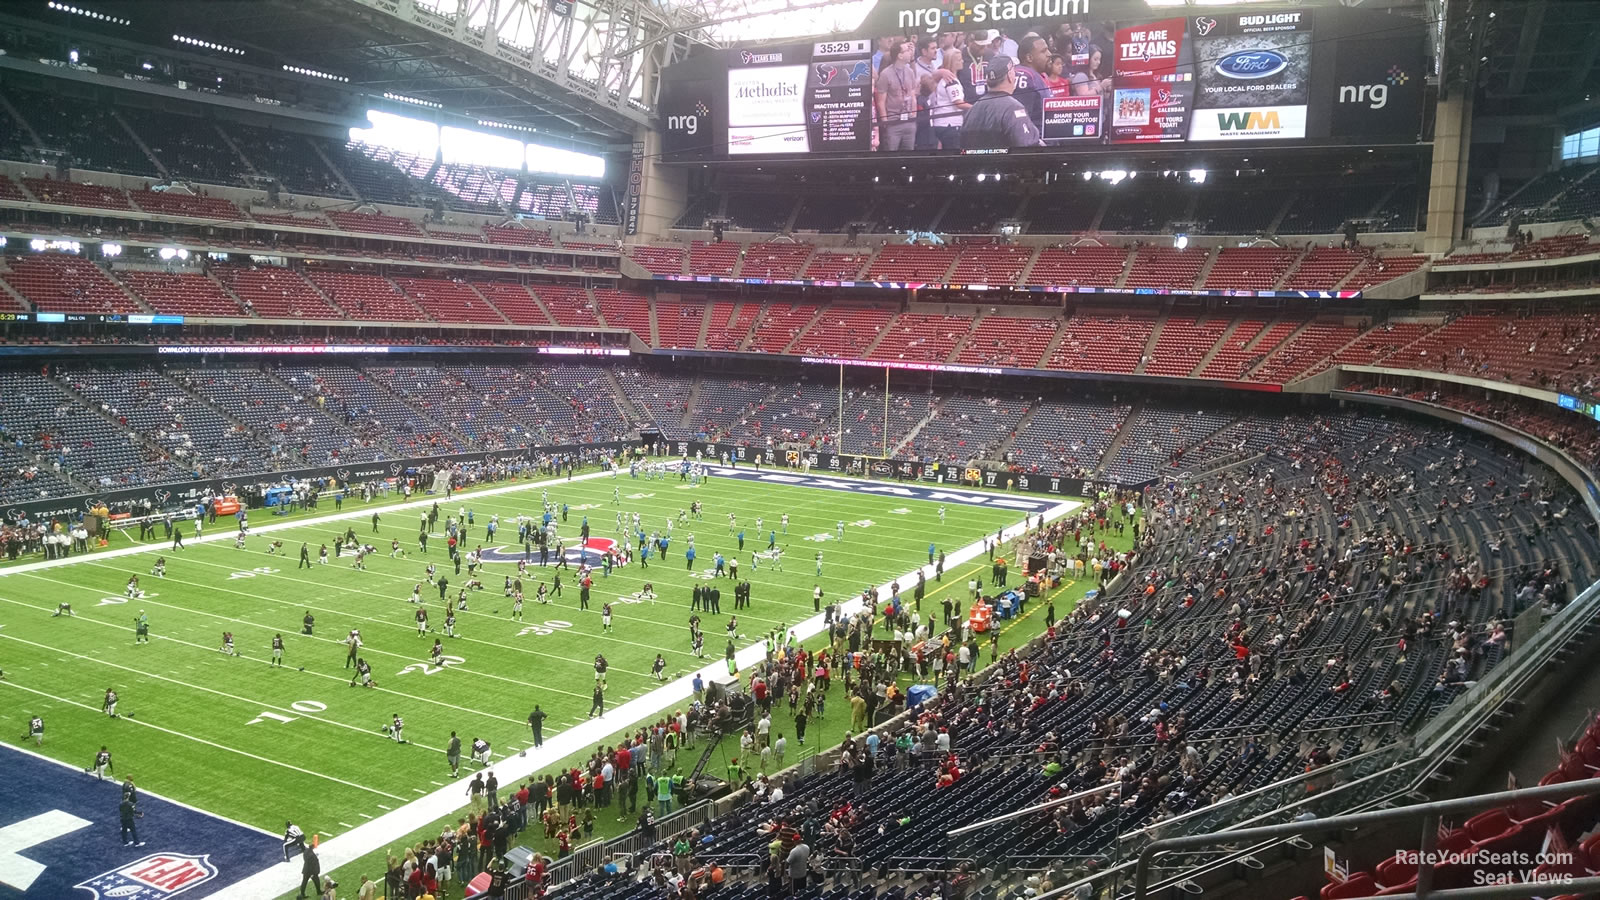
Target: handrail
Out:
[1431,812]
[1029,810]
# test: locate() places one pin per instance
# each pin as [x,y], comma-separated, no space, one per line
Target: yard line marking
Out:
[325,834]
[144,724]
[248,700]
[344,825]
[381,806]
[418,790]
[363,815]
[437,783]
[423,699]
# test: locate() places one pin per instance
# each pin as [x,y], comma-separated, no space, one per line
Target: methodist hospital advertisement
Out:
[1125,77]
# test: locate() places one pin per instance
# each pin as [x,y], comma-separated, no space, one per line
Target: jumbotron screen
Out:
[1089,73]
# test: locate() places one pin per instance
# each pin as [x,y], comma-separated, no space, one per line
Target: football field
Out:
[258,743]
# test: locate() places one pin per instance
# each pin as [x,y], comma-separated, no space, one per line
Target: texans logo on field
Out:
[1204,24]
[595,547]
[163,496]
[154,877]
[344,474]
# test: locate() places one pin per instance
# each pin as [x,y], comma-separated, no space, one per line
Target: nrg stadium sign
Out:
[953,14]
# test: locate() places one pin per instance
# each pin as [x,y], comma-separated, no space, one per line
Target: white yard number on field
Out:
[431,669]
[305,706]
[549,627]
[109,601]
[259,570]
[861,523]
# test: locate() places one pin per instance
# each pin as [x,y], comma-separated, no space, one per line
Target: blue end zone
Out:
[60,840]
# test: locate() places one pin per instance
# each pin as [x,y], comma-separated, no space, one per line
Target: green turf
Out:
[186,730]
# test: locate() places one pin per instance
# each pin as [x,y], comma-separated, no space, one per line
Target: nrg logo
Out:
[1376,96]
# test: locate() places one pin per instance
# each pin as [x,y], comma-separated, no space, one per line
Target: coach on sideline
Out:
[997,119]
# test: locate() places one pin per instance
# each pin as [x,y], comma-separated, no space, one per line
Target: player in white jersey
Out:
[785,523]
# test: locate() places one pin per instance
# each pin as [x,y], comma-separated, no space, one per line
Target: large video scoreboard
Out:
[1127,76]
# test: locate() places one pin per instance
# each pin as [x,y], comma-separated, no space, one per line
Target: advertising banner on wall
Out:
[1154,83]
[635,186]
[1252,75]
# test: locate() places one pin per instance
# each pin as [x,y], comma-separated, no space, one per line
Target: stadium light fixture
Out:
[491,123]
[207,45]
[315,73]
[1198,176]
[87,13]
[414,101]
[1180,241]
[110,249]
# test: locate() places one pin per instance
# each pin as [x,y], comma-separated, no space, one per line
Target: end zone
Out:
[60,837]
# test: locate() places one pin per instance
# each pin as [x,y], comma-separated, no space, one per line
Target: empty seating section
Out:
[377,173]
[1249,268]
[373,413]
[830,213]
[370,298]
[514,301]
[760,212]
[1544,248]
[176,203]
[475,188]
[911,262]
[1067,438]
[189,147]
[1554,351]
[1529,202]
[1165,267]
[979,214]
[1136,210]
[181,293]
[730,324]
[445,300]
[625,309]
[1098,342]
[991,264]
[289,157]
[374,224]
[778,324]
[1060,213]
[569,306]
[1155,436]
[86,131]
[1235,211]
[907,213]
[1326,209]
[275,292]
[520,237]
[67,284]
[446,233]
[658,260]
[1005,341]
[566,406]
[664,398]
[1314,343]
[1377,344]
[843,331]
[780,261]
[1183,342]
[23,479]
[189,431]
[444,396]
[967,426]
[723,406]
[1250,341]
[1384,268]
[296,431]
[74,193]
[10,190]
[678,324]
[827,266]
[718,258]
[1322,269]
[921,338]
[1089,266]
[97,448]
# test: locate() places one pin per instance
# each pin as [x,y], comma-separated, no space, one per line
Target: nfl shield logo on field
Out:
[154,877]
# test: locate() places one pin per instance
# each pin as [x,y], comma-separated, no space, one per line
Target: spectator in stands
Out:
[895,97]
[947,101]
[997,119]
